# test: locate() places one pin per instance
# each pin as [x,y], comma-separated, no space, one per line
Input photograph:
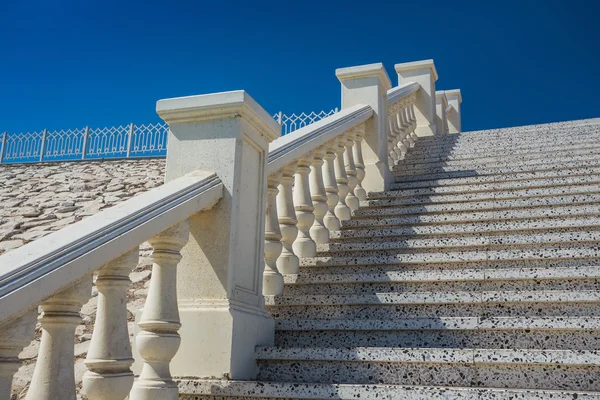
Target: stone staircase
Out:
[475,277]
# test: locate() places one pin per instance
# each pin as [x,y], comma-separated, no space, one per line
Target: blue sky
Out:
[68,64]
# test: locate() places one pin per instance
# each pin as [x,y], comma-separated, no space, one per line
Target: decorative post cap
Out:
[440,95]
[365,71]
[222,105]
[454,93]
[415,65]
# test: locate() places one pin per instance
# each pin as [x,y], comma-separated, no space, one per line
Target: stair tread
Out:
[433,355]
[539,296]
[322,391]
[442,323]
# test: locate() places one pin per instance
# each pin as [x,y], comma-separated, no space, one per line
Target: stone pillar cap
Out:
[364,71]
[440,95]
[414,65]
[222,105]
[454,93]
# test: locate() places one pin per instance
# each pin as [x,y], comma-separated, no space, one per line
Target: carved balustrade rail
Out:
[55,273]
[314,180]
[401,119]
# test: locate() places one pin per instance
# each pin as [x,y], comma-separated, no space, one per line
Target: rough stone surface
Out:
[38,199]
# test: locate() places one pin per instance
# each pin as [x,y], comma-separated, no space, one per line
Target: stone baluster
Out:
[288,262]
[412,118]
[391,137]
[158,339]
[318,231]
[108,376]
[409,136]
[13,337]
[400,129]
[54,375]
[359,163]
[332,223]
[351,199]
[272,279]
[304,245]
[342,211]
[403,143]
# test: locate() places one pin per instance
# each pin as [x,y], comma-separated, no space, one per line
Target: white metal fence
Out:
[128,141]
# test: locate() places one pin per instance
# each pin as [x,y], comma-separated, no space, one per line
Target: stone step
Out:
[521,368]
[458,183]
[496,165]
[436,148]
[450,153]
[481,242]
[308,283]
[485,256]
[505,215]
[469,332]
[210,389]
[409,164]
[397,198]
[490,205]
[508,170]
[526,226]
[491,186]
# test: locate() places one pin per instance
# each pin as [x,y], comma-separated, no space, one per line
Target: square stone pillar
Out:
[219,280]
[441,103]
[424,73]
[454,117]
[368,84]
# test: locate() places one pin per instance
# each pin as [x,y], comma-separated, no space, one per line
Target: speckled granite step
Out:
[475,216]
[517,159]
[465,228]
[391,199]
[498,165]
[531,369]
[492,186]
[469,173]
[446,154]
[208,389]
[459,183]
[522,203]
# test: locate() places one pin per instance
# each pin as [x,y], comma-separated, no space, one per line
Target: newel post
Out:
[368,84]
[220,277]
[454,117]
[441,103]
[424,73]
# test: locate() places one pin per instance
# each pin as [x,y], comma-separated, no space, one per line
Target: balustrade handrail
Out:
[33,272]
[294,145]
[399,92]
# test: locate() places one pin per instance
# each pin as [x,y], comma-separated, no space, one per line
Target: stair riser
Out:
[437,374]
[397,199]
[493,205]
[452,153]
[466,286]
[540,263]
[499,215]
[386,311]
[481,339]
[486,183]
[517,158]
[498,166]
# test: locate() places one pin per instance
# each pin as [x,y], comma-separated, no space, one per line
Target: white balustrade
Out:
[109,358]
[158,339]
[272,279]
[304,245]
[318,232]
[342,211]
[54,374]
[351,200]
[330,220]
[359,163]
[14,336]
[288,262]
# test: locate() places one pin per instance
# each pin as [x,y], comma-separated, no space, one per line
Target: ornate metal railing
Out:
[128,141]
